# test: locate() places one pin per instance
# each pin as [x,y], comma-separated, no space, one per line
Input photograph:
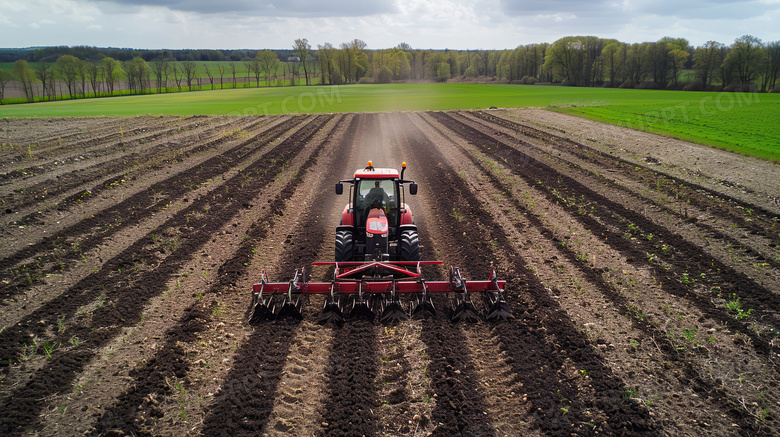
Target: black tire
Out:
[410,246]
[344,246]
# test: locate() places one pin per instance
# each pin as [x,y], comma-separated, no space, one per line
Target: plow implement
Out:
[395,290]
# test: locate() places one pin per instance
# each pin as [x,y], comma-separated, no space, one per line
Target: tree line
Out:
[669,63]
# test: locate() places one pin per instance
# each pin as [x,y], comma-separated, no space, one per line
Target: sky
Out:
[432,24]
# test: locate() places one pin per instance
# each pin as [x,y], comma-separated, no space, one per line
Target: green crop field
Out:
[744,123]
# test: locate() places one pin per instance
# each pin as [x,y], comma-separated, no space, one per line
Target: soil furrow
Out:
[260,359]
[50,254]
[542,339]
[689,261]
[62,154]
[113,169]
[134,410]
[125,300]
[699,194]
[596,277]
[688,203]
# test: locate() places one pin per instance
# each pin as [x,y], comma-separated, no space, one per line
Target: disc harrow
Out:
[360,290]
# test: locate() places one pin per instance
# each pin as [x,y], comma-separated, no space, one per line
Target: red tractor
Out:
[377,260]
[376,223]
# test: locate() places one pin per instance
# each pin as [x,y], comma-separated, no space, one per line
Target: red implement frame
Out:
[376,277]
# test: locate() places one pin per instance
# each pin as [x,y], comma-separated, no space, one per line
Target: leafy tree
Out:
[443,72]
[328,64]
[747,57]
[68,67]
[268,62]
[26,77]
[110,67]
[302,48]
[611,55]
[772,64]
[706,60]
[137,72]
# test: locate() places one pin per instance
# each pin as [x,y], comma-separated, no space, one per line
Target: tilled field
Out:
[645,302]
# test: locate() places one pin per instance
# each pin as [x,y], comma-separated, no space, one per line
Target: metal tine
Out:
[331,311]
[393,311]
[360,309]
[260,309]
[464,310]
[292,309]
[499,308]
[424,307]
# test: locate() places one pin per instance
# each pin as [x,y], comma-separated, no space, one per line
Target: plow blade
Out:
[465,312]
[499,312]
[331,313]
[423,310]
[393,313]
[260,314]
[361,311]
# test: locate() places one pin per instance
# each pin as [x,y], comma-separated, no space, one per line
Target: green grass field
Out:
[744,123]
[200,69]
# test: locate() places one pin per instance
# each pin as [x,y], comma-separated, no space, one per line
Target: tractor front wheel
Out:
[410,246]
[344,246]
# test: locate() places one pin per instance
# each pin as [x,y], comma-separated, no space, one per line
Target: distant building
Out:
[293,59]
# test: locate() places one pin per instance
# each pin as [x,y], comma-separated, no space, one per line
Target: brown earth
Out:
[643,273]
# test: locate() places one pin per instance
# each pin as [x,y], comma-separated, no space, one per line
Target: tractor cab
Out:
[376,216]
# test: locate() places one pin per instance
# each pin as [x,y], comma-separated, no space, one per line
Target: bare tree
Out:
[233,72]
[83,75]
[45,73]
[221,69]
[188,68]
[160,67]
[302,48]
[177,75]
[208,73]
[93,72]
[773,63]
[5,77]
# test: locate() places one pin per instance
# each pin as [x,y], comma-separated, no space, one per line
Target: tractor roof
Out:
[377,173]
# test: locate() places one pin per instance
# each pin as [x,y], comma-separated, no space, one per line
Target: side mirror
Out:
[339,189]
[413,189]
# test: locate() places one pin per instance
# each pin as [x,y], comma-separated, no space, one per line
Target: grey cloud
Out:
[706,9]
[613,9]
[276,8]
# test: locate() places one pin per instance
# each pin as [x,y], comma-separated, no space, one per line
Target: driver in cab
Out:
[377,196]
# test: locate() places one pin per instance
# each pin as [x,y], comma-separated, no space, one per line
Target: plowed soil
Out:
[643,274]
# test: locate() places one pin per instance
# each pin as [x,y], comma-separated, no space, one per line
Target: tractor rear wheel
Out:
[410,246]
[344,246]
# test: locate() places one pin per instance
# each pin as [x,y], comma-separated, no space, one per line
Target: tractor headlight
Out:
[369,235]
[384,235]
